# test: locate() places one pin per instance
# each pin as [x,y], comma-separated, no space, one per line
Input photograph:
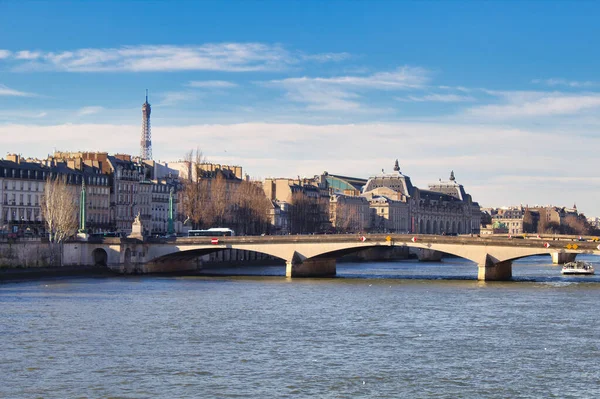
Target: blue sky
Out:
[506,94]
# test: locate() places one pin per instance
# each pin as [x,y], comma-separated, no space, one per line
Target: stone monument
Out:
[137,228]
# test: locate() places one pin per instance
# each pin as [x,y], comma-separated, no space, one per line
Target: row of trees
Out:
[308,214]
[571,224]
[216,201]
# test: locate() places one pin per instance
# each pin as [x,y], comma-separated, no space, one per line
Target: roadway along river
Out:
[379,330]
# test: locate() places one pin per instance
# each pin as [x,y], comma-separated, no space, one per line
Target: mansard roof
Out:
[114,161]
[395,180]
[438,196]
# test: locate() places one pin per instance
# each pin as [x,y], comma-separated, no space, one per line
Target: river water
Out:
[378,330]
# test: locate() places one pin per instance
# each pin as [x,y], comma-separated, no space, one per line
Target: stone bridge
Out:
[315,255]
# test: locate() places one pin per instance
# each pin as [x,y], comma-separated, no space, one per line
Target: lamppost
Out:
[82,206]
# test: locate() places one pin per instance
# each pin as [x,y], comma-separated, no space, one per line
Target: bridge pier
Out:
[310,268]
[501,271]
[560,258]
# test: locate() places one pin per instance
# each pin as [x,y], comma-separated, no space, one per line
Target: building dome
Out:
[394,180]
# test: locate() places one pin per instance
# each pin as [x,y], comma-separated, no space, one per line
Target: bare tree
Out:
[59,209]
[576,224]
[194,197]
[221,201]
[346,218]
[528,225]
[250,209]
[194,201]
[307,213]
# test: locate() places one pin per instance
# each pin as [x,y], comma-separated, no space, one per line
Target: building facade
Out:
[398,206]
[349,214]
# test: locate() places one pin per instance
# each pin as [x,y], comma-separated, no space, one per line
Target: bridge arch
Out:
[100,257]
[194,253]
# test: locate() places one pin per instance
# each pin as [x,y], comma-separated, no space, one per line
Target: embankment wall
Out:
[26,254]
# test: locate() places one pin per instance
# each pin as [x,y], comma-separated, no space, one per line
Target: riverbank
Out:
[20,273]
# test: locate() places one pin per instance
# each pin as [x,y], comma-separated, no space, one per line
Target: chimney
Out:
[14,158]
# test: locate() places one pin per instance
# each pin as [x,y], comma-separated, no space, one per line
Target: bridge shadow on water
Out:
[537,269]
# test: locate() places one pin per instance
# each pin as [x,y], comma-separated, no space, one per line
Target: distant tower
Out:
[396,167]
[146,140]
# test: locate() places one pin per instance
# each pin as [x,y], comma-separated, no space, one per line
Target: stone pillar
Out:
[310,268]
[560,258]
[501,271]
[429,255]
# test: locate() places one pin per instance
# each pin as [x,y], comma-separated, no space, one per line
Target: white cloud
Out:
[232,57]
[172,98]
[27,55]
[6,91]
[522,104]
[18,115]
[485,158]
[402,78]
[565,82]
[341,93]
[443,98]
[89,110]
[213,84]
[4,54]
[326,57]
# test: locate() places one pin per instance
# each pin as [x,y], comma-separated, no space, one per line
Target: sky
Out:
[505,94]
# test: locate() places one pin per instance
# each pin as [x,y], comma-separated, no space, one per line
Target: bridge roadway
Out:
[315,255]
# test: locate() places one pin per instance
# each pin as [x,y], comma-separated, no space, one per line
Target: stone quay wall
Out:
[26,254]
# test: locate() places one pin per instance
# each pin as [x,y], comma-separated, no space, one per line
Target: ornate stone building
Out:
[21,190]
[398,206]
[22,184]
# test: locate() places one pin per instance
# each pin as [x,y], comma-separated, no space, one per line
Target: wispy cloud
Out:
[27,55]
[443,98]
[326,57]
[89,110]
[212,84]
[401,78]
[6,91]
[341,93]
[4,54]
[232,57]
[565,82]
[523,104]
[172,98]
[19,115]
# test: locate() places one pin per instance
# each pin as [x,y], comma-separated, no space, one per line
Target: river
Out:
[378,330]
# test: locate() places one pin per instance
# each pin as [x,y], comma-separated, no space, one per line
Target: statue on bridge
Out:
[137,228]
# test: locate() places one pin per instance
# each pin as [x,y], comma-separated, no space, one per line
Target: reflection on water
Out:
[532,269]
[378,330]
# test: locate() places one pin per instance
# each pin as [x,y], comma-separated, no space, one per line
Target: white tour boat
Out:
[578,267]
